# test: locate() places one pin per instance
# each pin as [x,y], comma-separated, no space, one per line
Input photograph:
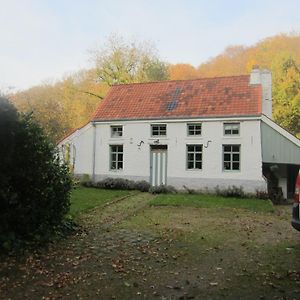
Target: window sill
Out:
[232,137]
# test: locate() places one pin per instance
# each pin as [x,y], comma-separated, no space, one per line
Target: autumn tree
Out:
[182,72]
[120,61]
[286,95]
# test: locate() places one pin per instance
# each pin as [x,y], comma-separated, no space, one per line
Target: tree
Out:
[120,61]
[182,72]
[34,185]
[286,95]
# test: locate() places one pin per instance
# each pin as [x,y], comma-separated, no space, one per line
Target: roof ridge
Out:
[180,80]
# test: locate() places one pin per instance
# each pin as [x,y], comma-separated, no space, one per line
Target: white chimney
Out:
[263,77]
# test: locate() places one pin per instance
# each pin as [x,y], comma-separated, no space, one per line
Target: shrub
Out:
[34,186]
[142,186]
[231,191]
[84,178]
[262,195]
[89,183]
[116,184]
[162,189]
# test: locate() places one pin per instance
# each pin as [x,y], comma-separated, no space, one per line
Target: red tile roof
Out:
[206,97]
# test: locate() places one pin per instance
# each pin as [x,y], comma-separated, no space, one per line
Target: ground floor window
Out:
[116,157]
[231,157]
[194,157]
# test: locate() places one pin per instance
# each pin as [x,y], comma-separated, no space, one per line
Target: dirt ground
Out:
[129,250]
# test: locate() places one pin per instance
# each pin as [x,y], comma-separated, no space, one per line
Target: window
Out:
[231,128]
[116,131]
[231,157]
[194,157]
[116,157]
[159,130]
[194,129]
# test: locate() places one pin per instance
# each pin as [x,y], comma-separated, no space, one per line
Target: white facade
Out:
[91,148]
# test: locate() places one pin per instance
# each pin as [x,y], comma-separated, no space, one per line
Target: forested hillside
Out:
[67,104]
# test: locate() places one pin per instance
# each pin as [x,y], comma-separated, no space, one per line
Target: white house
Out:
[198,133]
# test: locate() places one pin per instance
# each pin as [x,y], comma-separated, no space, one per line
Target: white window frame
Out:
[159,130]
[231,126]
[117,160]
[194,130]
[118,133]
[231,160]
[194,160]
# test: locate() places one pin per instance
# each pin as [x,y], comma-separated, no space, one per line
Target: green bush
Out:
[163,189]
[231,191]
[34,186]
[142,186]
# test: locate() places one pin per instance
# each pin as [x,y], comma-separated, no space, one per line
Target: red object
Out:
[204,97]
[297,189]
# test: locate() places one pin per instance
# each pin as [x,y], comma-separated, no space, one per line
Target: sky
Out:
[44,40]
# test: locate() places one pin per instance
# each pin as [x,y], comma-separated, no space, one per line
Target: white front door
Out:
[158,165]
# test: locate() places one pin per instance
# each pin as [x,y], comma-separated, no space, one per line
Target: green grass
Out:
[211,201]
[83,199]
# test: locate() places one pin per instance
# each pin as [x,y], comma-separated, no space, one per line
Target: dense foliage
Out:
[34,186]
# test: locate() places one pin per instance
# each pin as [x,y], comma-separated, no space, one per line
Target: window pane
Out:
[198,156]
[236,157]
[226,157]
[198,165]
[113,157]
[113,165]
[236,148]
[235,166]
[226,165]
[120,165]
[120,157]
[227,148]
[190,165]
[190,148]
[190,156]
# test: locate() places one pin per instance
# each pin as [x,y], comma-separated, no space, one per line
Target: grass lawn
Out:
[191,247]
[211,201]
[83,199]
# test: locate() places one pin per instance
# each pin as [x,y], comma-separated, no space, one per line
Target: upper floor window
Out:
[116,131]
[231,157]
[194,129]
[158,129]
[231,128]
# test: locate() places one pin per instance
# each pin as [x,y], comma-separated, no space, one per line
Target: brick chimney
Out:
[263,77]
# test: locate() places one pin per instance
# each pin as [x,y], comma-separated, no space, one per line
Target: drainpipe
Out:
[94,151]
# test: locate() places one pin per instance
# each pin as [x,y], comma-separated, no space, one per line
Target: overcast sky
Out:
[45,39]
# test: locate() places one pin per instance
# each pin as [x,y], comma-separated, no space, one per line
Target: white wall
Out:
[137,159]
[81,146]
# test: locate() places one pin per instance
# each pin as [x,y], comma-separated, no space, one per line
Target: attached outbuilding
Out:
[199,134]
